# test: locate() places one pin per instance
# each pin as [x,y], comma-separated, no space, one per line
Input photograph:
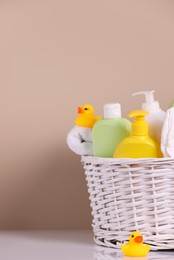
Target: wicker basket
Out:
[131,194]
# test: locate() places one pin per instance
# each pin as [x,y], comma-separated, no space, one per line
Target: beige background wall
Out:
[54,56]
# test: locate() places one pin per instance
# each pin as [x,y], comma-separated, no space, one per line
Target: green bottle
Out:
[171,104]
[108,132]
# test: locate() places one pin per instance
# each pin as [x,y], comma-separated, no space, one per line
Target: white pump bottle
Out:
[156,116]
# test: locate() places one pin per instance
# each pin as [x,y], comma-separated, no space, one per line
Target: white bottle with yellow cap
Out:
[139,144]
[156,115]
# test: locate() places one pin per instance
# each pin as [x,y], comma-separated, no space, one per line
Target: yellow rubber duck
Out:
[135,246]
[86,116]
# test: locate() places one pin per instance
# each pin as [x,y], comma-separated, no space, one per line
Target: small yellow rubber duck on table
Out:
[135,246]
[86,116]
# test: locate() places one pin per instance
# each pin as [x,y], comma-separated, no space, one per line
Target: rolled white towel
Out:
[167,136]
[79,140]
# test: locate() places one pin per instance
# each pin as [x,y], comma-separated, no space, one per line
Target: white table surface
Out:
[60,245]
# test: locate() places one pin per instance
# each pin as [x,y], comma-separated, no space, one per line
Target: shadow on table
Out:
[84,237]
[104,253]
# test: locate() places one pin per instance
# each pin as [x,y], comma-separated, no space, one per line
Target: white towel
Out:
[167,136]
[79,140]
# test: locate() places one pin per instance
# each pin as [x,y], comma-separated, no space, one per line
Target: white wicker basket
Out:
[131,194]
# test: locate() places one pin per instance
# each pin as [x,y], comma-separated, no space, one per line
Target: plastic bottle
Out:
[139,144]
[156,116]
[109,131]
[171,104]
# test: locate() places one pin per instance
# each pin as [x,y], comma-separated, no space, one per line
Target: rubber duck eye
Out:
[85,108]
[132,236]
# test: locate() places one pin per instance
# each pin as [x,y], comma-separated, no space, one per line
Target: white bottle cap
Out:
[112,110]
[150,105]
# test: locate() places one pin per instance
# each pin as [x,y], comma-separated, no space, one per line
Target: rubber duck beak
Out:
[139,239]
[80,110]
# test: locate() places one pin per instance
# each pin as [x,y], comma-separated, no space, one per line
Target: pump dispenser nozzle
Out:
[139,125]
[150,104]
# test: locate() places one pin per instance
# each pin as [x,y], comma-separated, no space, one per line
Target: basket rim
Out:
[93,159]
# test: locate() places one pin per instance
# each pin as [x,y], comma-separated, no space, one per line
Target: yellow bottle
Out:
[139,144]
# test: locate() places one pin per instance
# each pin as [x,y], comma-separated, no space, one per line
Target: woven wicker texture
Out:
[131,194]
